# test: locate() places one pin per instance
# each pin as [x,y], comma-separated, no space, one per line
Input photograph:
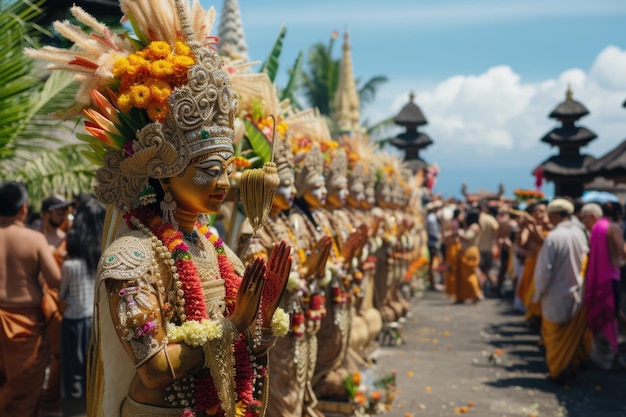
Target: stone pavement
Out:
[483,360]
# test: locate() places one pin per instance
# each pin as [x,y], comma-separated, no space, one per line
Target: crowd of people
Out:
[49,266]
[562,261]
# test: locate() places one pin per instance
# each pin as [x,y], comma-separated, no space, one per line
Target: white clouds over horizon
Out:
[496,113]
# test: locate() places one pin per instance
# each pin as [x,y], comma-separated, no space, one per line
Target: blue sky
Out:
[486,73]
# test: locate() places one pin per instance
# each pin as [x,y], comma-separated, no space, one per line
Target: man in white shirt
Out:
[558,286]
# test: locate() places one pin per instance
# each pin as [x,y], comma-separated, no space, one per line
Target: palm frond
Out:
[259,145]
[25,102]
[295,73]
[367,93]
[270,66]
[62,171]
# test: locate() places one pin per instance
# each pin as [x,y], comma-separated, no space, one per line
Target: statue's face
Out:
[315,194]
[338,196]
[370,195]
[285,193]
[204,185]
[357,193]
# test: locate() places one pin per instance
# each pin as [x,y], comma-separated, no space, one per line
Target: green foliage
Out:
[63,171]
[295,73]
[259,150]
[270,66]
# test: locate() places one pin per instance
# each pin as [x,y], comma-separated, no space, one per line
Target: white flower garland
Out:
[195,333]
[198,333]
[280,322]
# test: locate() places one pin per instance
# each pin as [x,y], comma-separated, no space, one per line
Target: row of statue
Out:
[182,326]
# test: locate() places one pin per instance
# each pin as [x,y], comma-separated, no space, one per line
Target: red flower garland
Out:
[195,307]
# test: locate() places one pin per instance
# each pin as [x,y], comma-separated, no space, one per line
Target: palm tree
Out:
[36,148]
[319,84]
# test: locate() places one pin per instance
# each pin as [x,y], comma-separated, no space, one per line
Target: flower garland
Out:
[185,270]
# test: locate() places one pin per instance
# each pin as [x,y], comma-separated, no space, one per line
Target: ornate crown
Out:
[158,101]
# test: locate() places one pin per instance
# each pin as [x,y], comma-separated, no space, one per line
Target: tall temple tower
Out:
[232,37]
[568,169]
[346,104]
[411,141]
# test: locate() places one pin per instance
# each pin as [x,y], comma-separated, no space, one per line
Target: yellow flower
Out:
[240,409]
[137,64]
[158,50]
[123,102]
[120,66]
[140,96]
[181,63]
[161,68]
[181,49]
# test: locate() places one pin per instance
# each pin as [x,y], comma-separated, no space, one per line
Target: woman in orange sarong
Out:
[467,284]
[453,249]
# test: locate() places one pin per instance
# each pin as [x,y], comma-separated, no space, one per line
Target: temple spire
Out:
[346,103]
[232,38]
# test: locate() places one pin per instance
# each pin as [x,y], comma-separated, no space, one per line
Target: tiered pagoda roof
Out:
[612,165]
[411,141]
[569,138]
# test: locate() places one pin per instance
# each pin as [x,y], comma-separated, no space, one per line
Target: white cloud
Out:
[497,114]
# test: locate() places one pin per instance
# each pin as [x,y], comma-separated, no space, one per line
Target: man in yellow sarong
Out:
[558,286]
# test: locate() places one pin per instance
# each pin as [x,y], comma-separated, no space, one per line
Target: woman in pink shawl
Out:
[602,286]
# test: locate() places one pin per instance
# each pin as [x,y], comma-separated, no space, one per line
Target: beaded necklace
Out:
[190,299]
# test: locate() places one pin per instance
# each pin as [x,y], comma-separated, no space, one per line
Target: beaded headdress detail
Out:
[155,102]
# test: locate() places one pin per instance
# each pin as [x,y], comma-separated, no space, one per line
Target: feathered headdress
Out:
[156,101]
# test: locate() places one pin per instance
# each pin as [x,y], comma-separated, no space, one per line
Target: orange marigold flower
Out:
[173,244]
[498,352]
[376,395]
[161,68]
[356,378]
[158,50]
[159,89]
[241,162]
[359,398]
[140,96]
[123,102]
[157,111]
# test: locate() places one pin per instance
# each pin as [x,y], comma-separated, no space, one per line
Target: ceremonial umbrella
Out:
[593,196]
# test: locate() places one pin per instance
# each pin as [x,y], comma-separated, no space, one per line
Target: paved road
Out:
[483,360]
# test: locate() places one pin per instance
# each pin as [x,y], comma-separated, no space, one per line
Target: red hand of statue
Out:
[278,269]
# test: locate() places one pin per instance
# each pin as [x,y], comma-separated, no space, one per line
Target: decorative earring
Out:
[147,196]
[168,205]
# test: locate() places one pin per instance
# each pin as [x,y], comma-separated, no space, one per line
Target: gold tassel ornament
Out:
[257,188]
